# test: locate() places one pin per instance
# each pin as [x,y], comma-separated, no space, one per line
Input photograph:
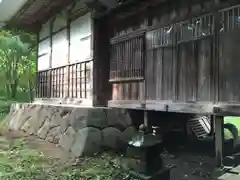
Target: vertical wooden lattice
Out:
[54,84]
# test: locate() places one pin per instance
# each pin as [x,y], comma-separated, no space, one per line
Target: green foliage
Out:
[20,162]
[24,163]
[17,62]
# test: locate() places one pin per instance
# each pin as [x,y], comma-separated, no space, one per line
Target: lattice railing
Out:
[161,37]
[43,85]
[230,19]
[58,82]
[80,79]
[71,81]
[196,28]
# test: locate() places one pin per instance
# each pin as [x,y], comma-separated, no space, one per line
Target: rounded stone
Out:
[43,131]
[19,116]
[53,135]
[88,141]
[85,117]
[111,137]
[97,118]
[118,118]
[26,126]
[67,139]
[17,119]
[64,124]
[56,120]
[129,133]
[78,122]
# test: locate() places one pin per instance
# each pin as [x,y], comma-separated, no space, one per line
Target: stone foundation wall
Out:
[83,131]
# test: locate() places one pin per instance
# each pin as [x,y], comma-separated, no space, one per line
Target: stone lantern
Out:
[144,156]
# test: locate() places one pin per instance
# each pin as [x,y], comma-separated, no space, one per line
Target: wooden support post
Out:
[50,90]
[147,122]
[146,118]
[212,125]
[219,139]
[37,83]
[67,77]
[215,65]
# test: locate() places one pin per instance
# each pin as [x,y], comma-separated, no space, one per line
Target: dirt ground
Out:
[49,149]
[185,166]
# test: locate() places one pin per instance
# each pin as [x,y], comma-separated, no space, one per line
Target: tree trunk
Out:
[30,90]
[13,90]
[8,90]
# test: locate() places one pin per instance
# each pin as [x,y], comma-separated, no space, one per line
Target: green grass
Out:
[20,162]
[23,163]
[20,96]
[233,120]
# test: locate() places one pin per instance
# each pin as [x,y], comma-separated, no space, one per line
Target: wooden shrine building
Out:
[162,55]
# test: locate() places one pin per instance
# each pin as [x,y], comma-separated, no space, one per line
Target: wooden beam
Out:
[188,107]
[227,110]
[219,139]
[49,10]
[22,10]
[146,118]
[212,125]
[215,63]
[50,60]
[147,122]
[69,50]
[37,83]
[31,22]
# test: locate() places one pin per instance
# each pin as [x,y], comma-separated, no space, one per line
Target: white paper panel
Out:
[44,47]
[80,38]
[60,49]
[44,62]
[60,22]
[81,27]
[45,31]
[81,50]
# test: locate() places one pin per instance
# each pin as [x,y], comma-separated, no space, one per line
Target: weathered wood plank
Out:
[229,84]
[129,91]
[219,138]
[187,72]
[165,106]
[159,73]
[126,104]
[195,108]
[102,89]
[150,74]
[227,109]
[168,77]
[204,70]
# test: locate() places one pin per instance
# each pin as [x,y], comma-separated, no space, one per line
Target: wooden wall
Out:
[101,86]
[186,59]
[127,42]
[229,58]
[178,65]
[65,55]
[150,52]
[160,65]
